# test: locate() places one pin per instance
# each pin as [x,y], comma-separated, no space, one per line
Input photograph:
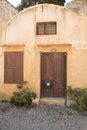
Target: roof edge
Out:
[31,7]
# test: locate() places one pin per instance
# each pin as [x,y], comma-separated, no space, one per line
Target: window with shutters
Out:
[46,28]
[13,67]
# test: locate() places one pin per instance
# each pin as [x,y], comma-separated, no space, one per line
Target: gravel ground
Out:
[43,117]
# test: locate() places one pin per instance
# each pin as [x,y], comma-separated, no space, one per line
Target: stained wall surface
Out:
[7,11]
[71,37]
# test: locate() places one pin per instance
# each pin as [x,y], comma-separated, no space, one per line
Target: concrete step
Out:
[60,101]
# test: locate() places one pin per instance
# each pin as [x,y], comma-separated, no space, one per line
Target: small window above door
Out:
[46,28]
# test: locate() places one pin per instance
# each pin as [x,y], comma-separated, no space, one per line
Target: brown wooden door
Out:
[53,74]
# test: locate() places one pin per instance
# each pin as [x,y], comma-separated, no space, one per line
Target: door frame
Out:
[65,73]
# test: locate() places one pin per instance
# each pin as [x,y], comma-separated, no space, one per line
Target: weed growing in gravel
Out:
[24,96]
[69,112]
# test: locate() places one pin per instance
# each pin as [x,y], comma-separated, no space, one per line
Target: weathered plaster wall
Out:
[67,24]
[71,28]
[7,11]
[71,38]
[78,6]
[79,69]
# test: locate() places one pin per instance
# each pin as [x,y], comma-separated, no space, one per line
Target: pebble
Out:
[42,117]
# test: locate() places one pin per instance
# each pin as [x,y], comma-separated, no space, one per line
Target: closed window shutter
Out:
[46,28]
[50,28]
[13,67]
[40,29]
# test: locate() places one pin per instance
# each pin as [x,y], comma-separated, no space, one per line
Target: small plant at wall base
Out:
[70,91]
[80,96]
[24,96]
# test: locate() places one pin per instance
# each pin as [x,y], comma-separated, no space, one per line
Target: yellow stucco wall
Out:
[71,37]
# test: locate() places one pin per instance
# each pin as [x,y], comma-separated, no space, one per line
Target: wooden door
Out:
[53,74]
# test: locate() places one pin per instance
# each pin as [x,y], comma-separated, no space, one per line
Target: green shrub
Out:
[80,96]
[23,97]
[70,91]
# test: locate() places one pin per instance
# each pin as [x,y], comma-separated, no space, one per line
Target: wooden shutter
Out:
[13,67]
[40,28]
[46,28]
[50,28]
